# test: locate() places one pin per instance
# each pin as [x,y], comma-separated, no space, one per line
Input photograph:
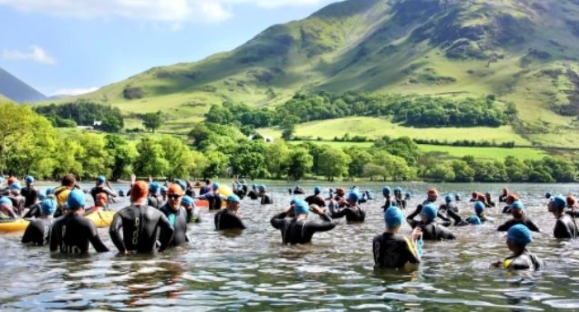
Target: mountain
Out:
[522,51]
[16,90]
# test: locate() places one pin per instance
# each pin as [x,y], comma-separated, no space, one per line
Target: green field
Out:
[378,127]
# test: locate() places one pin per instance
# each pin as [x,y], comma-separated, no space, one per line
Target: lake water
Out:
[254,271]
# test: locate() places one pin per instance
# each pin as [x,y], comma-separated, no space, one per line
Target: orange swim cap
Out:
[175,189]
[139,191]
[512,198]
[432,192]
[571,200]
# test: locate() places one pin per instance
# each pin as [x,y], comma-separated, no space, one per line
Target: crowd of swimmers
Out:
[159,214]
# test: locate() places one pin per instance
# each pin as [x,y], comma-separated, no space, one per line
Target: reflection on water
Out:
[253,271]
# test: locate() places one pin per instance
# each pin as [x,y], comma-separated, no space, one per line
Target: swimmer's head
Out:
[262,188]
[154,188]
[479,207]
[29,180]
[386,191]
[353,197]
[5,201]
[548,195]
[48,207]
[101,180]
[187,201]
[474,220]
[317,190]
[76,200]
[429,212]
[301,207]
[511,199]
[519,235]
[559,203]
[448,199]
[393,217]
[139,191]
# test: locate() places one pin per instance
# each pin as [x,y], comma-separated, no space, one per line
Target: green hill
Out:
[523,51]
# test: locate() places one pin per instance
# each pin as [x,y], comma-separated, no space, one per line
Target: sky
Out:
[75,46]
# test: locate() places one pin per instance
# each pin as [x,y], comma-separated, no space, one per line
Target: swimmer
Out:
[316,198]
[392,250]
[400,202]
[68,183]
[518,237]
[430,229]
[351,211]
[206,188]
[30,193]
[504,195]
[230,217]
[509,201]
[432,196]
[300,230]
[387,198]
[193,215]
[18,200]
[177,216]
[565,226]
[253,194]
[102,202]
[265,197]
[573,207]
[155,199]
[102,186]
[214,198]
[38,230]
[519,217]
[7,209]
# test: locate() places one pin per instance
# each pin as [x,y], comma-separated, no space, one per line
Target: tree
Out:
[373,170]
[360,158]
[216,164]
[123,156]
[288,132]
[440,173]
[334,163]
[152,121]
[151,160]
[249,160]
[95,160]
[462,171]
[300,163]
[278,158]
[178,156]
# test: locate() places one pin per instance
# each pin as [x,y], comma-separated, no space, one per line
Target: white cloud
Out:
[36,54]
[77,91]
[172,11]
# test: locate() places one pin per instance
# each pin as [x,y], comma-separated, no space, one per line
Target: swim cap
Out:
[15,186]
[317,190]
[458,195]
[11,180]
[182,184]
[547,195]
[154,188]
[448,198]
[29,179]
[571,200]
[233,199]
[559,202]
[340,190]
[301,207]
[393,217]
[520,235]
[474,220]
[215,186]
[432,192]
[175,189]
[353,196]
[479,207]
[5,201]
[261,188]
[76,199]
[49,191]
[48,207]
[164,189]
[139,191]
[101,180]
[293,202]
[398,190]
[518,205]
[429,212]
[386,191]
[187,201]
[511,199]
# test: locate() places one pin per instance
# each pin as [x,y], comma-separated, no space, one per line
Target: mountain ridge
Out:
[16,90]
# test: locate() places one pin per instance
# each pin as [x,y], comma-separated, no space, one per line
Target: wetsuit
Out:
[507,209]
[191,193]
[178,220]
[136,228]
[522,261]
[155,201]
[298,191]
[204,190]
[565,228]
[315,200]
[33,212]
[31,196]
[215,200]
[526,222]
[393,251]
[101,189]
[17,203]
[225,220]
[387,204]
[300,232]
[266,199]
[410,217]
[72,235]
[503,198]
[38,232]
[433,231]
[252,195]
[352,214]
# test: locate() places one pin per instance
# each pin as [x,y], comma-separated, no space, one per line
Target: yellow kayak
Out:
[9,226]
[101,219]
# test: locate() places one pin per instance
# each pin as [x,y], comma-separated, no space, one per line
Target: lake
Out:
[254,271]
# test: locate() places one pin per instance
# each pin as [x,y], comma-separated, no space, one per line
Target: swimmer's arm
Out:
[95,239]
[53,240]
[533,227]
[278,220]
[504,227]
[115,233]
[165,227]
[414,214]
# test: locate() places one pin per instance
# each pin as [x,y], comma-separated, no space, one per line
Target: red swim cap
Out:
[139,191]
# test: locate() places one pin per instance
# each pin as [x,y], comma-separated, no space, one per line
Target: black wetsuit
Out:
[155,201]
[523,261]
[316,200]
[300,232]
[387,204]
[204,190]
[17,203]
[503,198]
[526,222]
[392,251]
[225,220]
[352,214]
[178,220]
[410,217]
[266,199]
[33,212]
[565,228]
[31,196]
[102,189]
[72,234]
[215,200]
[38,232]
[136,228]
[252,195]
[433,231]
[298,191]
[190,192]
[507,209]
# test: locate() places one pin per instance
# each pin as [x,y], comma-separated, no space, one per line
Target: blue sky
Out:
[71,46]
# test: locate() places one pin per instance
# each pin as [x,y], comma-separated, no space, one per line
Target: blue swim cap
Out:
[233,199]
[317,190]
[520,235]
[182,184]
[49,191]
[76,199]
[215,186]
[29,179]
[393,217]
[48,207]
[429,212]
[458,195]
[479,207]
[386,191]
[15,186]
[293,201]
[398,190]
[261,188]
[187,201]
[547,195]
[560,202]
[5,201]
[301,207]
[517,204]
[101,180]
[164,189]
[154,188]
[253,186]
[448,198]
[353,196]
[474,220]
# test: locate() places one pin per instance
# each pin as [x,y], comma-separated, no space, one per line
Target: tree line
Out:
[83,113]
[30,145]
